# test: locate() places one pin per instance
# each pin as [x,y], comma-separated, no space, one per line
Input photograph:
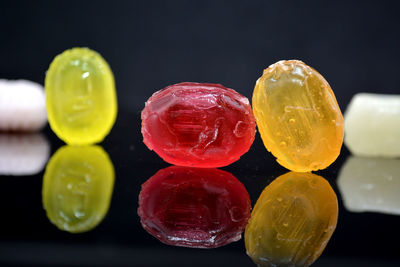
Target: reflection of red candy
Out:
[198,125]
[202,208]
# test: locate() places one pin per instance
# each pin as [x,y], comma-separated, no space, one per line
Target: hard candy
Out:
[198,125]
[372,125]
[77,187]
[370,185]
[22,106]
[298,117]
[81,100]
[292,221]
[192,207]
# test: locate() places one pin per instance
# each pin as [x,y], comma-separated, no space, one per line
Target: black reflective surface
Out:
[151,44]
[27,237]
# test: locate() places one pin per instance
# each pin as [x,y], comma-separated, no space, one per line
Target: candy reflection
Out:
[203,208]
[292,221]
[77,187]
[371,184]
[23,154]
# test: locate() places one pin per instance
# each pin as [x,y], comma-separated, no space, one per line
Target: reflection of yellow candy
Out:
[80,96]
[292,221]
[77,187]
[298,117]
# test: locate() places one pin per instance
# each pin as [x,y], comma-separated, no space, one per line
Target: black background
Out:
[151,44]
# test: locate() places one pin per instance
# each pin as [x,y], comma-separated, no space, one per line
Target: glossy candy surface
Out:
[194,207]
[77,187]
[372,125]
[298,117]
[80,96]
[22,106]
[198,125]
[292,221]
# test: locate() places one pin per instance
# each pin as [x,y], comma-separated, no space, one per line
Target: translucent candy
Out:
[22,106]
[77,187]
[370,185]
[198,124]
[192,207]
[80,96]
[298,117]
[292,221]
[372,125]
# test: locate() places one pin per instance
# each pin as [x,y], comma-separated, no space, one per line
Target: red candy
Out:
[198,124]
[190,207]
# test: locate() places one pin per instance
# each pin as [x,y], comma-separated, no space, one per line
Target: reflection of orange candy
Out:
[292,221]
[298,117]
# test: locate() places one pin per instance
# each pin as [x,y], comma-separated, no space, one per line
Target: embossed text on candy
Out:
[198,125]
[298,117]
[81,100]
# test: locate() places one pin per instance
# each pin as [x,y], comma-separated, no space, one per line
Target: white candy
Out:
[23,154]
[22,106]
[370,184]
[372,125]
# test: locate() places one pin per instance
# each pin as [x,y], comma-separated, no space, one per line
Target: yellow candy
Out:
[81,100]
[298,116]
[77,187]
[292,221]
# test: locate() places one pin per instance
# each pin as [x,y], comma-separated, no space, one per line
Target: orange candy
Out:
[298,116]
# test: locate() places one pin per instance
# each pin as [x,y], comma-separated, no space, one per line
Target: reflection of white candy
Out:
[370,184]
[23,154]
[22,106]
[372,125]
